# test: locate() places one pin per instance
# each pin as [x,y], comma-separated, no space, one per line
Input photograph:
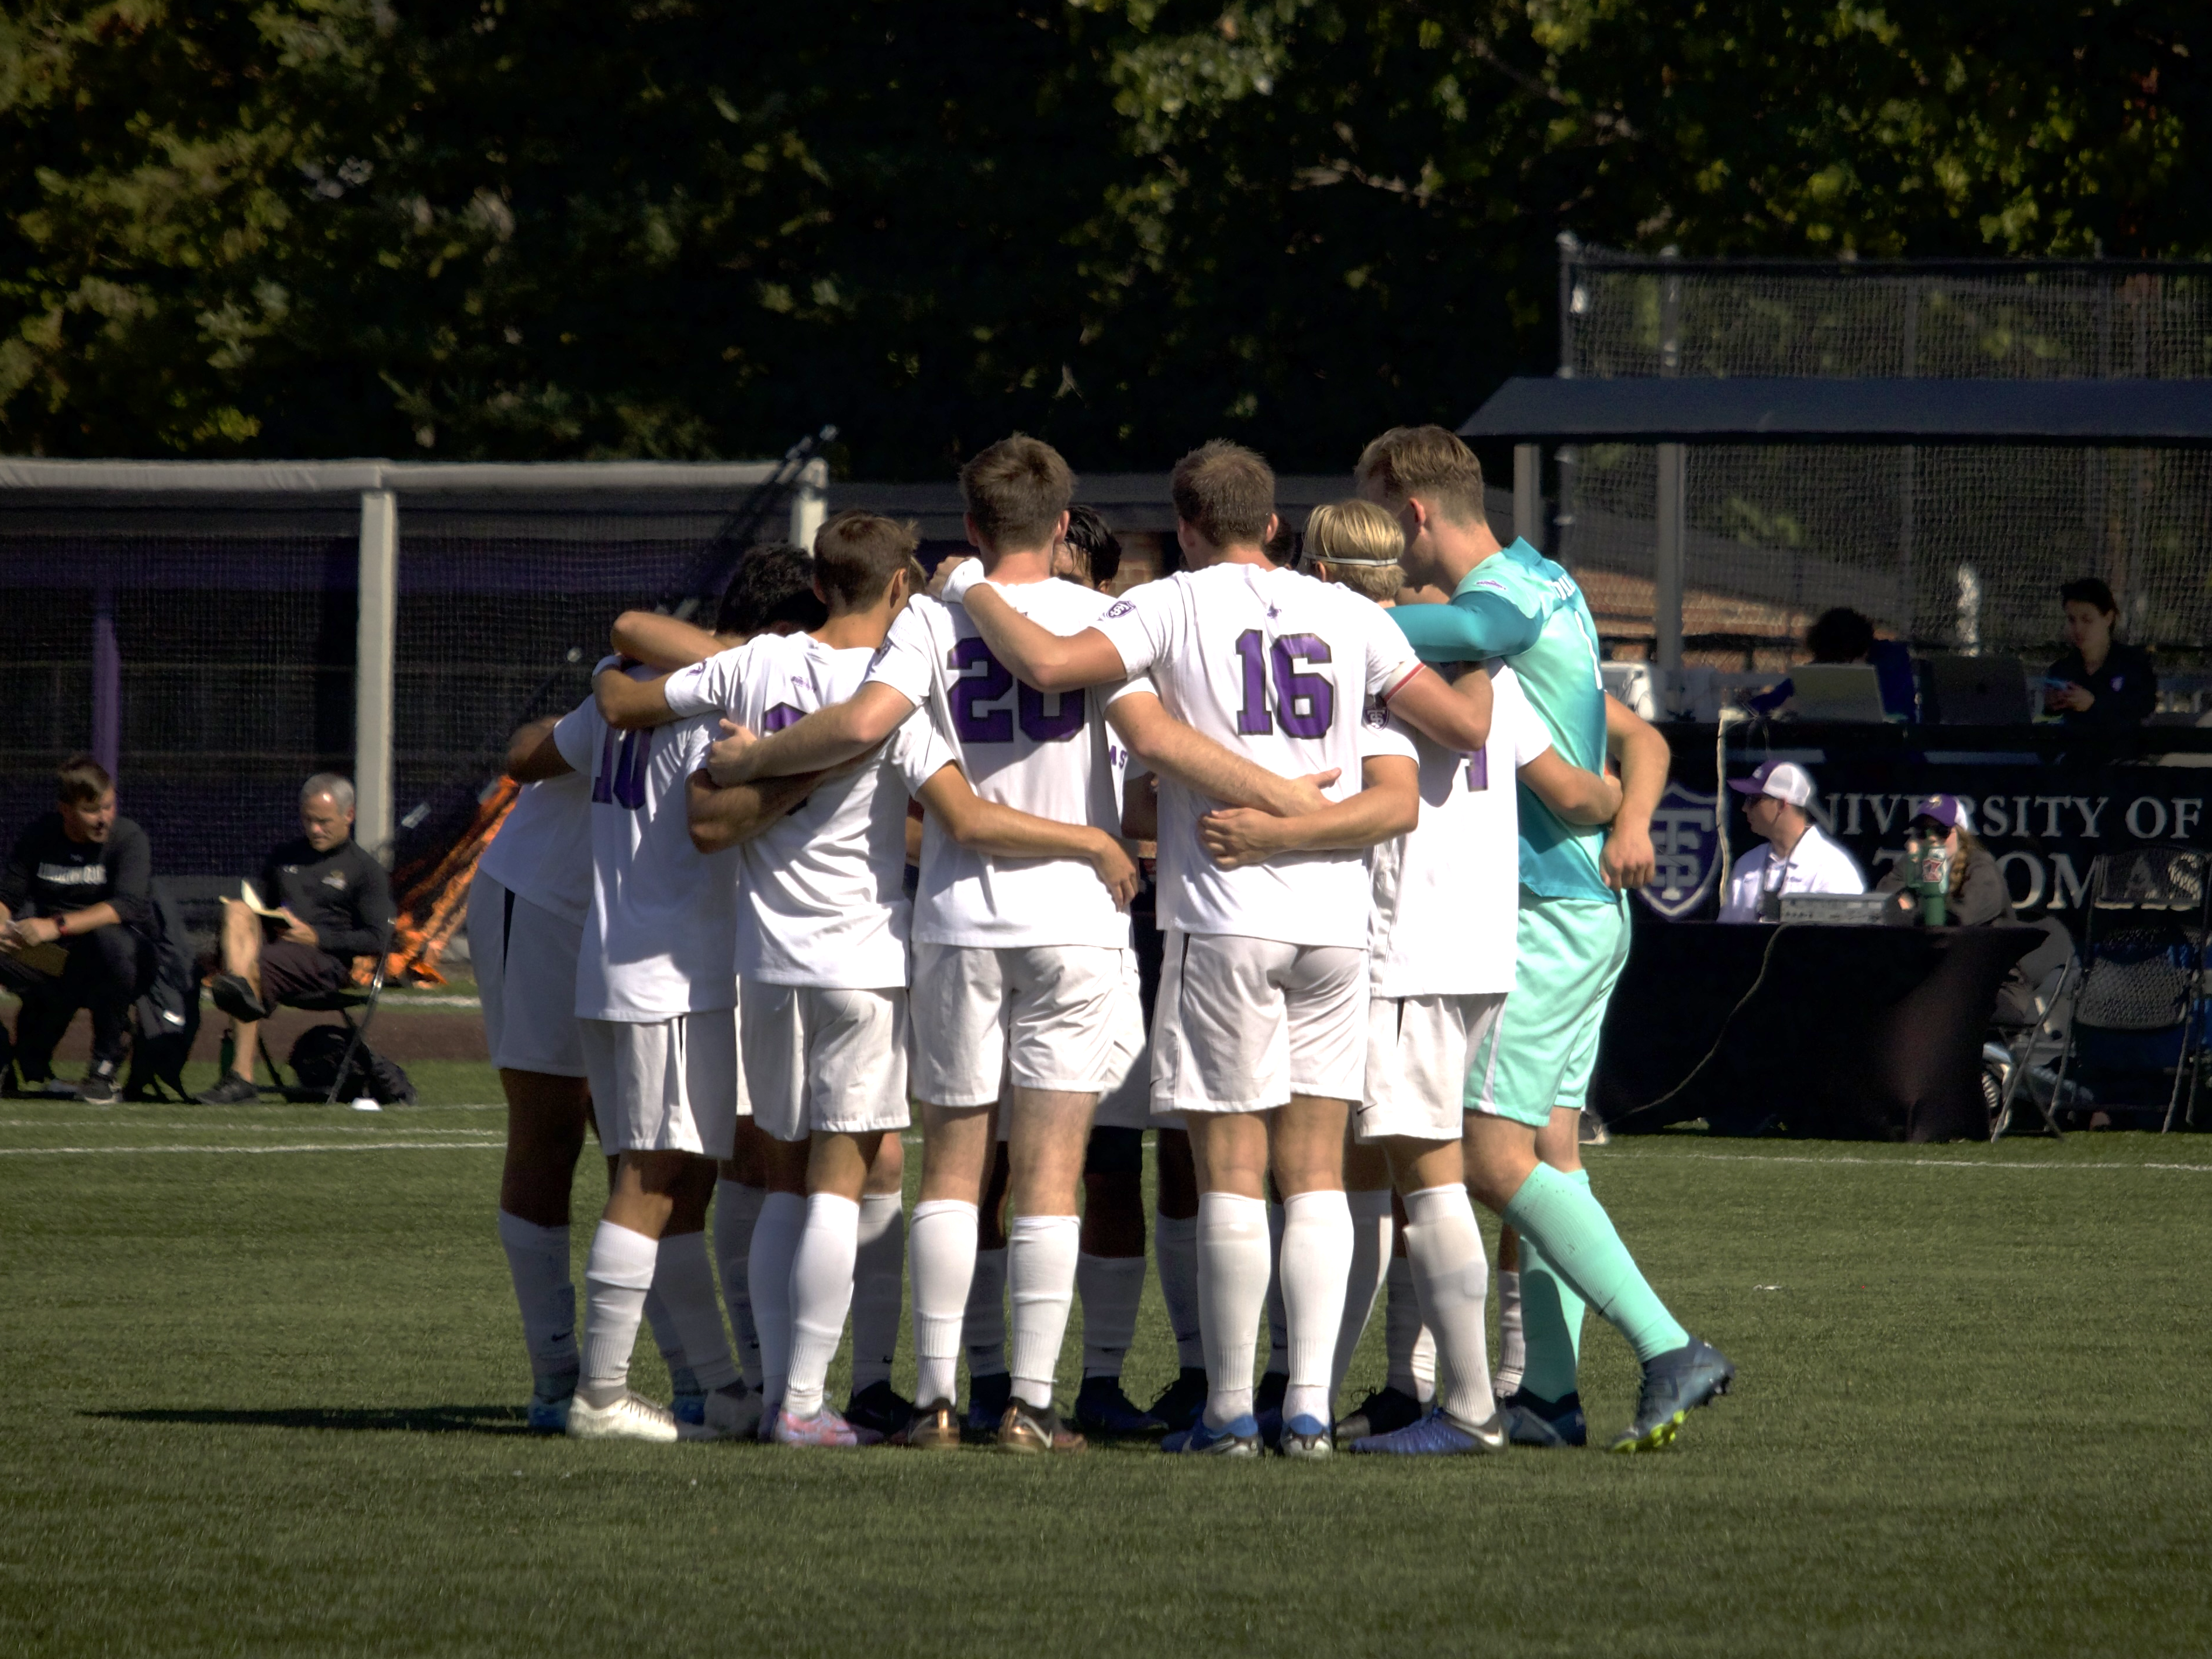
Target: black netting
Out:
[1952,548]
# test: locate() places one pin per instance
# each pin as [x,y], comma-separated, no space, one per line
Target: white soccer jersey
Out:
[1280,668]
[543,851]
[824,901]
[1044,753]
[657,941]
[1447,894]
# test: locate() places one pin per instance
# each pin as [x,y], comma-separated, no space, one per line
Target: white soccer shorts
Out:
[1242,1025]
[1126,1100]
[668,1085]
[1418,1052]
[524,958]
[817,1060]
[1040,1017]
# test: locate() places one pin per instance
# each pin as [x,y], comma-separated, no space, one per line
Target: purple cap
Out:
[1785,781]
[1944,809]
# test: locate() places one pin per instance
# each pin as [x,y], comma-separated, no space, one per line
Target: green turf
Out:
[267,1403]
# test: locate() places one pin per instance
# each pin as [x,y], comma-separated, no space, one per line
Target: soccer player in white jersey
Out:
[1018,961]
[824,1021]
[1441,960]
[654,1004]
[528,901]
[1259,1038]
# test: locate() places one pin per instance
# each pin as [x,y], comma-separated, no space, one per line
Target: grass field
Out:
[265,1377]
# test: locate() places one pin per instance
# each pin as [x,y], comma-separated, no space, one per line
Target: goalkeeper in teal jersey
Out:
[1527,1082]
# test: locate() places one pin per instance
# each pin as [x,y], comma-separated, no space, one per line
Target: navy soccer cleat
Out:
[987,1401]
[1181,1403]
[882,1408]
[1438,1435]
[1674,1385]
[1382,1412]
[1533,1420]
[1103,1410]
[1267,1406]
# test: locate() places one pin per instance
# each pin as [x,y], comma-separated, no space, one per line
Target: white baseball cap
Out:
[1785,781]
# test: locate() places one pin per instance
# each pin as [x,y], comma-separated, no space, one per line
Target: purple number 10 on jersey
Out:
[623,758]
[1305,703]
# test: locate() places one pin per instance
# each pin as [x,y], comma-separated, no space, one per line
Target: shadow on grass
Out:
[420,1419]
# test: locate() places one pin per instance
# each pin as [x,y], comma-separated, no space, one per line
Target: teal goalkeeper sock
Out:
[1551,1320]
[1572,1230]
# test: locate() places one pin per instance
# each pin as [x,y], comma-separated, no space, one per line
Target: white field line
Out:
[191,1126]
[1934,1162]
[304,1147]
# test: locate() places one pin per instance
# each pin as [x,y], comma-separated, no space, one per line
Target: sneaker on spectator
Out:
[233,1090]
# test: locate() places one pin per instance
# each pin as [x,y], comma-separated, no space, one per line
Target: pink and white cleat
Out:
[824,1428]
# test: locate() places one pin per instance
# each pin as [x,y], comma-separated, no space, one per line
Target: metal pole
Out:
[372,663]
[1528,494]
[106,683]
[1666,575]
[809,501]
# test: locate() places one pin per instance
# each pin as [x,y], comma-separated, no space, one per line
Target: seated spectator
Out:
[1978,896]
[76,931]
[2103,681]
[332,903]
[1843,635]
[1799,857]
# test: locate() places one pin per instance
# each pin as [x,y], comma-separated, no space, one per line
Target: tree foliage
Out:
[676,229]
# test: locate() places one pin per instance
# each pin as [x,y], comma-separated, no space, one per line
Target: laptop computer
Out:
[1841,691]
[1979,691]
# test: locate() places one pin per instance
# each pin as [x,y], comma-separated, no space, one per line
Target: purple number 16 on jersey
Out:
[1305,703]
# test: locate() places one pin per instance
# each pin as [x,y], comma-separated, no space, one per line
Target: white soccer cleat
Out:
[632,1416]
[728,1417]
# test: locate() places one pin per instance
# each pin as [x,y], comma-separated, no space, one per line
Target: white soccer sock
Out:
[775,1241]
[686,1281]
[1042,1251]
[737,1210]
[1316,1261]
[941,1243]
[1175,1250]
[1512,1338]
[1453,1276]
[1371,1255]
[1425,1364]
[1279,1321]
[616,1276]
[664,1333]
[985,1318]
[879,1287]
[538,1261]
[1112,1287]
[1401,1329]
[821,1294]
[1232,1287]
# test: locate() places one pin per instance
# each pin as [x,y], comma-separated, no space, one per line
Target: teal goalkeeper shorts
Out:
[1542,1047]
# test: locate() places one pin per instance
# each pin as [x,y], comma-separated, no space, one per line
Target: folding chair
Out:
[2023,1055]
[2138,1015]
[345,1003]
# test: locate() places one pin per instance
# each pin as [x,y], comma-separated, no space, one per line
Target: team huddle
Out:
[1394,838]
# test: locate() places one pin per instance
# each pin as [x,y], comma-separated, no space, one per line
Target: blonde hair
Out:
[1361,543]
[1428,461]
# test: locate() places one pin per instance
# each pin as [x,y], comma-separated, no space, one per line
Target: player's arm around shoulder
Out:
[1641,753]
[663,642]
[1030,652]
[984,826]
[531,754]
[1388,805]
[1575,795]
[720,818]
[1170,749]
[829,737]
[1454,713]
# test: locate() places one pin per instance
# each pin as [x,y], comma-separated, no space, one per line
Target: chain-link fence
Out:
[1951,548]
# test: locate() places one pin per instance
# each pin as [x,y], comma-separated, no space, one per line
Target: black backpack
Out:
[167,1018]
[317,1055]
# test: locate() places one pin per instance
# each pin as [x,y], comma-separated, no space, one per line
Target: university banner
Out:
[2045,823]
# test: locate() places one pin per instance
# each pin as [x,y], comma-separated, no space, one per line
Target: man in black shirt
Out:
[323,901]
[76,930]
[2101,681]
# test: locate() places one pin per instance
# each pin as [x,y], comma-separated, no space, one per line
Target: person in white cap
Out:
[1799,857]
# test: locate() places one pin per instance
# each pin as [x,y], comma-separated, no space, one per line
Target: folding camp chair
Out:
[2138,1019]
[2021,1061]
[346,1003]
